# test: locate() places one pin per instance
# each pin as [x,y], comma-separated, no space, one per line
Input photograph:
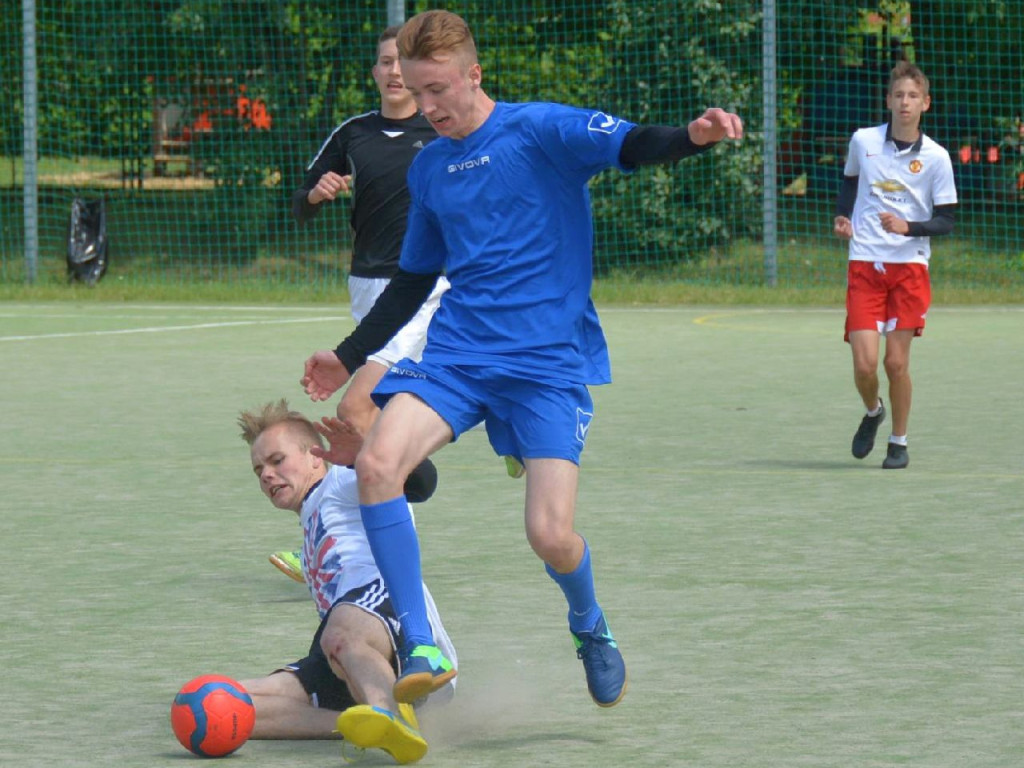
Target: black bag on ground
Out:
[87,241]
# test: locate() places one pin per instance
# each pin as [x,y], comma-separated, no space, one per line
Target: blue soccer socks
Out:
[578,588]
[595,646]
[396,549]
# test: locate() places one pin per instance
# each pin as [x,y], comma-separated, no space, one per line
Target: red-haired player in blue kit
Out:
[500,204]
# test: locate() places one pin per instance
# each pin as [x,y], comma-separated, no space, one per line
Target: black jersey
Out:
[377,152]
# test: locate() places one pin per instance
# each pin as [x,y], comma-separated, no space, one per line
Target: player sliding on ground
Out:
[500,204]
[345,682]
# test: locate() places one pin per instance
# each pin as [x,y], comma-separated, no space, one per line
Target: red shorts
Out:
[886,297]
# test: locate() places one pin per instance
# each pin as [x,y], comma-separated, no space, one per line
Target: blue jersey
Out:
[505,213]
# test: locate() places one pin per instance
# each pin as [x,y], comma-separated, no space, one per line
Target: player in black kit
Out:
[369,155]
[367,158]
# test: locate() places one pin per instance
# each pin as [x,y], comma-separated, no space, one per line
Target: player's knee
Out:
[336,644]
[895,367]
[374,468]
[864,367]
[552,544]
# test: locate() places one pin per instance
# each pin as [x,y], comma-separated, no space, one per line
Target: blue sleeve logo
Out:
[602,123]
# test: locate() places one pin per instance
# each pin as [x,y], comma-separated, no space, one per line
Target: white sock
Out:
[898,439]
[878,410]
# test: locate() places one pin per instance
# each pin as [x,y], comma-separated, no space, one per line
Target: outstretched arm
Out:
[656,144]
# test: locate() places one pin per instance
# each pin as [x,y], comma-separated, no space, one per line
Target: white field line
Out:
[226,308]
[167,328]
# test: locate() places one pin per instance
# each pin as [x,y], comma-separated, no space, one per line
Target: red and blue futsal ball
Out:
[212,715]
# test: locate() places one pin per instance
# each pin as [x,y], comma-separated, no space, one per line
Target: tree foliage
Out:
[105,66]
[973,53]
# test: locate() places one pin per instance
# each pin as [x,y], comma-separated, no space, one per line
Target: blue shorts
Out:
[525,418]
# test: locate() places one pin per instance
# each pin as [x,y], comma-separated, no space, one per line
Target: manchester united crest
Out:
[915,166]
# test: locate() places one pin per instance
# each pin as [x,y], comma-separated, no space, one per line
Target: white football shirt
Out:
[908,183]
[336,556]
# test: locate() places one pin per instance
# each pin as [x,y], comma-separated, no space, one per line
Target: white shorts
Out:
[410,340]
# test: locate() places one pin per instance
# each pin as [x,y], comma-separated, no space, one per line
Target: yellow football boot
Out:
[375,728]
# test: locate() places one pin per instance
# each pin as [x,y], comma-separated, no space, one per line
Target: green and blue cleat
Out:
[602,663]
[424,670]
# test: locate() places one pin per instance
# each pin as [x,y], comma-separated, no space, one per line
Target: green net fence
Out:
[193,121]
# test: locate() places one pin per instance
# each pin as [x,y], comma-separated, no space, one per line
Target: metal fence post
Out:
[396,12]
[30,138]
[769,96]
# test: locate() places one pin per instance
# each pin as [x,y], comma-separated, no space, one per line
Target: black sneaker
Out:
[896,457]
[864,440]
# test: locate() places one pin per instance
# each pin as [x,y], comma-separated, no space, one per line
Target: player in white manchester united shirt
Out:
[897,193]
